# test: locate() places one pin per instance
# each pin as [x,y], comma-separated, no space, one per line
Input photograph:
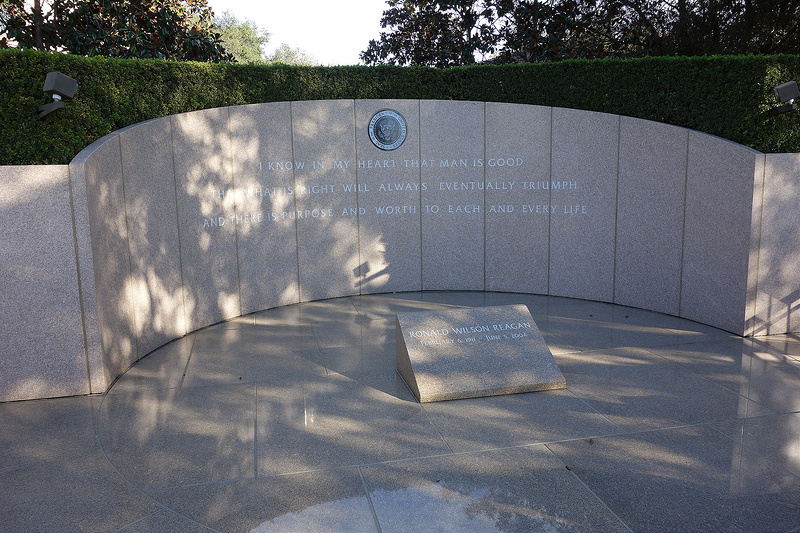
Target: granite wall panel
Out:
[452,152]
[650,215]
[518,203]
[261,137]
[716,245]
[777,305]
[105,190]
[206,201]
[42,352]
[389,197]
[325,198]
[150,207]
[181,222]
[583,192]
[98,379]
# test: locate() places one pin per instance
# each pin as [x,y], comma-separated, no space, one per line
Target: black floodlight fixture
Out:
[58,86]
[787,93]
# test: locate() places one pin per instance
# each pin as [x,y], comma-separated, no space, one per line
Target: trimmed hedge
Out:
[728,96]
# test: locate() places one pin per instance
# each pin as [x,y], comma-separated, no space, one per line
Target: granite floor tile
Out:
[785,344]
[388,305]
[361,358]
[165,520]
[338,421]
[776,438]
[176,436]
[638,390]
[326,501]
[516,419]
[744,366]
[75,492]
[42,430]
[353,333]
[689,479]
[516,490]
[249,355]
[267,423]
[163,368]
[289,315]
[590,335]
[336,310]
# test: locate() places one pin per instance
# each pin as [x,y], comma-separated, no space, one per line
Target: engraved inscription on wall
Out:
[515,200]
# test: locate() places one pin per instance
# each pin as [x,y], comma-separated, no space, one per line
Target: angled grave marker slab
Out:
[473,352]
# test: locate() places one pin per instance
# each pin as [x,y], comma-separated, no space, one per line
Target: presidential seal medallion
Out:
[387,129]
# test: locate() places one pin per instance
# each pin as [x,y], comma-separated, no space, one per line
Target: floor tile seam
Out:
[430,421]
[705,340]
[706,423]
[57,456]
[255,429]
[610,349]
[138,520]
[752,348]
[760,404]
[588,488]
[679,423]
[716,383]
[260,477]
[681,366]
[163,509]
[482,450]
[121,392]
[590,406]
[459,453]
[188,361]
[754,451]
[369,501]
[709,380]
[144,493]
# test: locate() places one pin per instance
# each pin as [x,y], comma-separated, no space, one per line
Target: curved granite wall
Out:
[204,216]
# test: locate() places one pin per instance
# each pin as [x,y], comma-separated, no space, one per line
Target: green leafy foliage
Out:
[291,56]
[728,96]
[179,30]
[243,40]
[444,33]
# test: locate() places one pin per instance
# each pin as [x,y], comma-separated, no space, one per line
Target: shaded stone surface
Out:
[389,198]
[650,209]
[583,189]
[41,317]
[194,448]
[776,305]
[452,203]
[172,225]
[717,222]
[469,353]
[202,151]
[261,141]
[155,280]
[325,198]
[518,206]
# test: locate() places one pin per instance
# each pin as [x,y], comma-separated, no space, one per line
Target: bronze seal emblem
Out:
[387,129]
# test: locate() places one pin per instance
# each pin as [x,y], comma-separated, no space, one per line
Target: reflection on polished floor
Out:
[294,419]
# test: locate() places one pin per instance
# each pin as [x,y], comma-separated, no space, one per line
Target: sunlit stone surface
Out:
[468,353]
[295,420]
[169,226]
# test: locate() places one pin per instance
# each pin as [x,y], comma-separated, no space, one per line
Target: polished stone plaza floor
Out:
[294,419]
